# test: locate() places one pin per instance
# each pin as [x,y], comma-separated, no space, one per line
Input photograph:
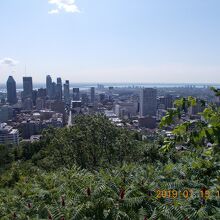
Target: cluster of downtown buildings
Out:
[24,115]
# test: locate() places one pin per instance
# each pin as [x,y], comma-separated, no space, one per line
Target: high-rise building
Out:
[41,98]
[85,99]
[48,86]
[27,87]
[66,88]
[42,93]
[59,93]
[110,93]
[76,96]
[53,91]
[148,102]
[59,80]
[34,97]
[11,91]
[92,95]
[102,98]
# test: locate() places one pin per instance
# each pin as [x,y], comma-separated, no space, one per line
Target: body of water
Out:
[84,86]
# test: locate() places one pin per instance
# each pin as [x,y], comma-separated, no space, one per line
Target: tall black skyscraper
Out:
[66,92]
[27,87]
[42,93]
[49,85]
[11,90]
[59,93]
[53,91]
[76,94]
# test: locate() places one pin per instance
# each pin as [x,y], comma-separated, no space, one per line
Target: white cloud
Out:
[8,61]
[63,5]
[54,11]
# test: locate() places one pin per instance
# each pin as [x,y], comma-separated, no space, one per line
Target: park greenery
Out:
[95,170]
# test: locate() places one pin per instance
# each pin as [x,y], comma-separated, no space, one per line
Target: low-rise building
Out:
[126,109]
[8,135]
[6,113]
[148,122]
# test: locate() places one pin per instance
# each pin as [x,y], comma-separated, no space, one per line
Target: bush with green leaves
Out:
[95,170]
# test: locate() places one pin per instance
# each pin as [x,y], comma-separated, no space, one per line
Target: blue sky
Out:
[111,41]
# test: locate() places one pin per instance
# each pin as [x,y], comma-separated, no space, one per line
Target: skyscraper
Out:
[66,88]
[148,102]
[34,97]
[59,93]
[53,91]
[110,93]
[92,95]
[85,99]
[27,87]
[49,85]
[11,90]
[76,94]
[42,93]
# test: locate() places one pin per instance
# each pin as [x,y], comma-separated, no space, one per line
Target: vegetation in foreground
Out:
[95,170]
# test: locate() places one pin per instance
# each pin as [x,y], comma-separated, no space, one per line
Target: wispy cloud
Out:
[8,61]
[68,6]
[54,11]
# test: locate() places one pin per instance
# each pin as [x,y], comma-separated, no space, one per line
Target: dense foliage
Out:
[95,170]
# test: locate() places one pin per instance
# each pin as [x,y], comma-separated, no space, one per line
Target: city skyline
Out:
[116,41]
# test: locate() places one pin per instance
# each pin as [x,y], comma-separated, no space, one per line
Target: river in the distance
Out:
[84,86]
